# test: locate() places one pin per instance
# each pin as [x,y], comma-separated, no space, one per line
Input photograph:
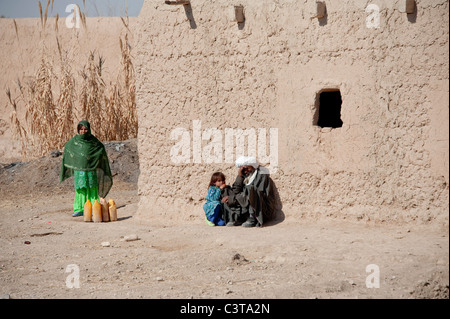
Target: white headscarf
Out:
[247,161]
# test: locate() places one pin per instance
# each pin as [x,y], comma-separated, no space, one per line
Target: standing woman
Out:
[85,158]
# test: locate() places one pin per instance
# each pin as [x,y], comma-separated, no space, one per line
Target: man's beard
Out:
[247,172]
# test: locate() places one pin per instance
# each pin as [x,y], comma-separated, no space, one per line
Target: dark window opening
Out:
[328,109]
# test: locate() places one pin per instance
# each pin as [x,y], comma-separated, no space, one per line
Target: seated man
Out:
[251,198]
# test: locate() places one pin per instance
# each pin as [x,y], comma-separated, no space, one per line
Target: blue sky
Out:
[94,8]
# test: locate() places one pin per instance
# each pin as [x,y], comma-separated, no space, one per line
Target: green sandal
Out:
[209,222]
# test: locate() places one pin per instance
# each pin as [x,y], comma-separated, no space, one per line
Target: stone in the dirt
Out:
[131,237]
[56,153]
[239,259]
[106,244]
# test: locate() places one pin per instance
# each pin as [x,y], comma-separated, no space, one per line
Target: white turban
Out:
[247,161]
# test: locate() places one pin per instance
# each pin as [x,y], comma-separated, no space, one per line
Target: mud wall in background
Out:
[200,73]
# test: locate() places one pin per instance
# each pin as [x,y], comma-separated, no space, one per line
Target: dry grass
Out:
[16,29]
[92,92]
[41,111]
[67,99]
[46,13]
[37,132]
[56,23]
[55,101]
[111,108]
[40,13]
[128,86]
[19,131]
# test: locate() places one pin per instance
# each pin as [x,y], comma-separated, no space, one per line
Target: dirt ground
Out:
[43,247]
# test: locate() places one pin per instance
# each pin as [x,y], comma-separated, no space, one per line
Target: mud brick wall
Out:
[387,163]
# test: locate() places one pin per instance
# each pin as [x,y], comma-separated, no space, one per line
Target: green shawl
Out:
[84,152]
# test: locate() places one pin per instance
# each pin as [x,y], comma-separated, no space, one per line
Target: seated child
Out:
[213,206]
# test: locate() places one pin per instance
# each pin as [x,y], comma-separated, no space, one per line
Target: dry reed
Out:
[66,100]
[92,92]
[56,23]
[83,20]
[15,28]
[40,13]
[18,131]
[129,86]
[45,14]
[41,109]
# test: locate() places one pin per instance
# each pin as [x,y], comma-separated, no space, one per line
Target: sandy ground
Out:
[285,259]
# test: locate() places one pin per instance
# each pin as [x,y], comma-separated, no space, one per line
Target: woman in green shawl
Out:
[86,160]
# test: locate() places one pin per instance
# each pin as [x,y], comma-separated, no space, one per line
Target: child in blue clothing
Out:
[213,205]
